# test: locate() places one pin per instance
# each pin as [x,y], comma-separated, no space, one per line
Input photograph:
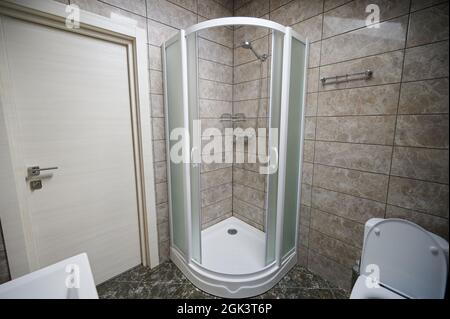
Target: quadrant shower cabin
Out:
[235,257]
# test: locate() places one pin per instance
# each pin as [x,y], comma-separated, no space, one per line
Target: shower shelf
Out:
[238,117]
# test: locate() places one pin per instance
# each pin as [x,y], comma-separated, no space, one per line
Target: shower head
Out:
[248,45]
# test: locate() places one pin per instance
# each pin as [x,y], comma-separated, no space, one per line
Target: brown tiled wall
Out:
[250,97]
[376,148]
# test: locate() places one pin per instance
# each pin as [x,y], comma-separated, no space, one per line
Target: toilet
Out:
[401,260]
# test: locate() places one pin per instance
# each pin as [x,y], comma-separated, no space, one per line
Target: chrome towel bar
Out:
[366,75]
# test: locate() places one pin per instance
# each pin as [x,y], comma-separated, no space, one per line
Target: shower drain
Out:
[232,231]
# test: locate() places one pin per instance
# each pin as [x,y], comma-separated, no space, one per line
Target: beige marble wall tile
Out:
[330,270]
[314,54]
[420,4]
[222,35]
[422,131]
[419,195]
[135,6]
[350,207]
[303,235]
[311,104]
[252,108]
[373,100]
[212,51]
[214,109]
[213,71]
[111,12]
[156,83]
[216,194]
[215,90]
[160,172]
[305,215]
[296,11]
[248,221]
[158,32]
[310,128]
[430,96]
[187,4]
[311,28]
[371,158]
[157,105]
[229,4]
[161,193]
[387,68]
[171,14]
[249,195]
[344,254]
[250,90]
[306,195]
[390,36]
[353,15]
[361,184]
[421,163]
[158,128]
[216,210]
[249,178]
[154,58]
[162,212]
[163,232]
[159,150]
[308,151]
[426,62]
[252,213]
[255,8]
[428,25]
[274,4]
[250,71]
[307,173]
[212,10]
[164,251]
[215,178]
[357,129]
[313,80]
[331,4]
[337,227]
[207,167]
[434,224]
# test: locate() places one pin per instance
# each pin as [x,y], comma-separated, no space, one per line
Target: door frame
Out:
[53,14]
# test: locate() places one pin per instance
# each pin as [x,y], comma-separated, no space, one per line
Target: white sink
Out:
[68,279]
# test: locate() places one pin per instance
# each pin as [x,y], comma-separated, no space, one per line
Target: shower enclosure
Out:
[235,256]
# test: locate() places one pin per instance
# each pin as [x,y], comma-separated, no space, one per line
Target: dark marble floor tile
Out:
[297,293]
[340,293]
[167,282]
[301,277]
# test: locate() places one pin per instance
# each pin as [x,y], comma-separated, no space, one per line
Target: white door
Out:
[71,109]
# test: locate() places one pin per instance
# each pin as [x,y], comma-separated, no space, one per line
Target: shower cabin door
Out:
[182,164]
[288,84]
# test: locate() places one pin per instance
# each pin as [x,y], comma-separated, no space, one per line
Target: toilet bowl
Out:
[401,260]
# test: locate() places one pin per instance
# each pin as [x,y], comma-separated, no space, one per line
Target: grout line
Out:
[398,105]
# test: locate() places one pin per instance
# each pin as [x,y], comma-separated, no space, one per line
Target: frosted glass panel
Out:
[192,58]
[275,106]
[176,119]
[293,145]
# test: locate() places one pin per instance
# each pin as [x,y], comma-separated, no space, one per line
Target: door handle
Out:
[36,170]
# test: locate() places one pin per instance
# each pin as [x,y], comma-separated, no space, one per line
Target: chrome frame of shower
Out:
[245,285]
